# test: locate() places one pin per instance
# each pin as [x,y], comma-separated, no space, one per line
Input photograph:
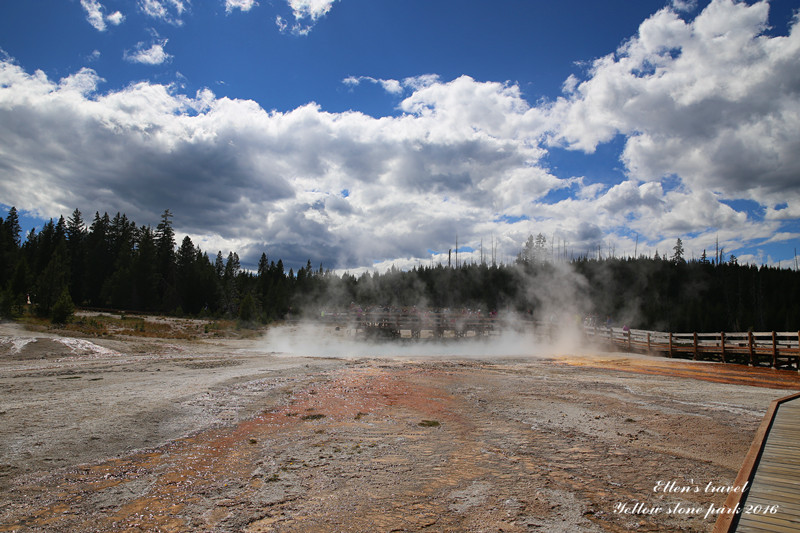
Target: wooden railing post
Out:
[750,345]
[648,340]
[722,345]
[774,350]
[694,336]
[670,344]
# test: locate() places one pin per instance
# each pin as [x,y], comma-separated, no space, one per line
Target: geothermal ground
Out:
[119,433]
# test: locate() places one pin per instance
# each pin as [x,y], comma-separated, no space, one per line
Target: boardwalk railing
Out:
[412,323]
[775,349]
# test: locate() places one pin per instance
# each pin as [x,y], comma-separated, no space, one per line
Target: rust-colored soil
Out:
[715,372]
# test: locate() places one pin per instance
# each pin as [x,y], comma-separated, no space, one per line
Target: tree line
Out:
[114,263]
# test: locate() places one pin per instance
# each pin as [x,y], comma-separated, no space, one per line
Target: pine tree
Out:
[186,255]
[232,266]
[61,229]
[21,281]
[165,244]
[9,244]
[76,229]
[247,309]
[187,277]
[263,265]
[99,260]
[219,265]
[677,256]
[165,257]
[230,290]
[207,285]
[145,272]
[52,281]
[63,309]
[12,226]
[76,252]
[118,289]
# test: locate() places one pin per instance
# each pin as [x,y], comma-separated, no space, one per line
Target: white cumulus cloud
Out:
[390,86]
[169,11]
[312,9]
[712,100]
[306,14]
[709,111]
[154,55]
[116,18]
[264,179]
[95,14]
[244,5]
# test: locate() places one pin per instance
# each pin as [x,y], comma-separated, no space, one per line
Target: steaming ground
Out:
[315,340]
[308,429]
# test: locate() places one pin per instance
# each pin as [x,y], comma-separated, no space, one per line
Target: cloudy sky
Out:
[366,133]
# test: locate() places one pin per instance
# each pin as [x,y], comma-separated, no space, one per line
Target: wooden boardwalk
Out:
[771,471]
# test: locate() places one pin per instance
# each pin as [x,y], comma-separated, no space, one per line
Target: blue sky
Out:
[364,133]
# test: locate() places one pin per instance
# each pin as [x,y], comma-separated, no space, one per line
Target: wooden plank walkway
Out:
[772,472]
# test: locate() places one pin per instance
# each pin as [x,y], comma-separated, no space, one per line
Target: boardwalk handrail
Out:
[775,349]
[391,322]
[727,522]
[771,348]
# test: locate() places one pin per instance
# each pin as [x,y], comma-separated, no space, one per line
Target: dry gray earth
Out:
[125,434]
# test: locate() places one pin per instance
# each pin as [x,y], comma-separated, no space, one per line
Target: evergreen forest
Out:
[113,263]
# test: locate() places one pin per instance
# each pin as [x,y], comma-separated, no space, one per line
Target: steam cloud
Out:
[311,339]
[559,302]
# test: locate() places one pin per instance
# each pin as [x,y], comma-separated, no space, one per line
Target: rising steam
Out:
[551,326]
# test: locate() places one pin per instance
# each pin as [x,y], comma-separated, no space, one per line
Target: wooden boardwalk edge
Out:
[727,522]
